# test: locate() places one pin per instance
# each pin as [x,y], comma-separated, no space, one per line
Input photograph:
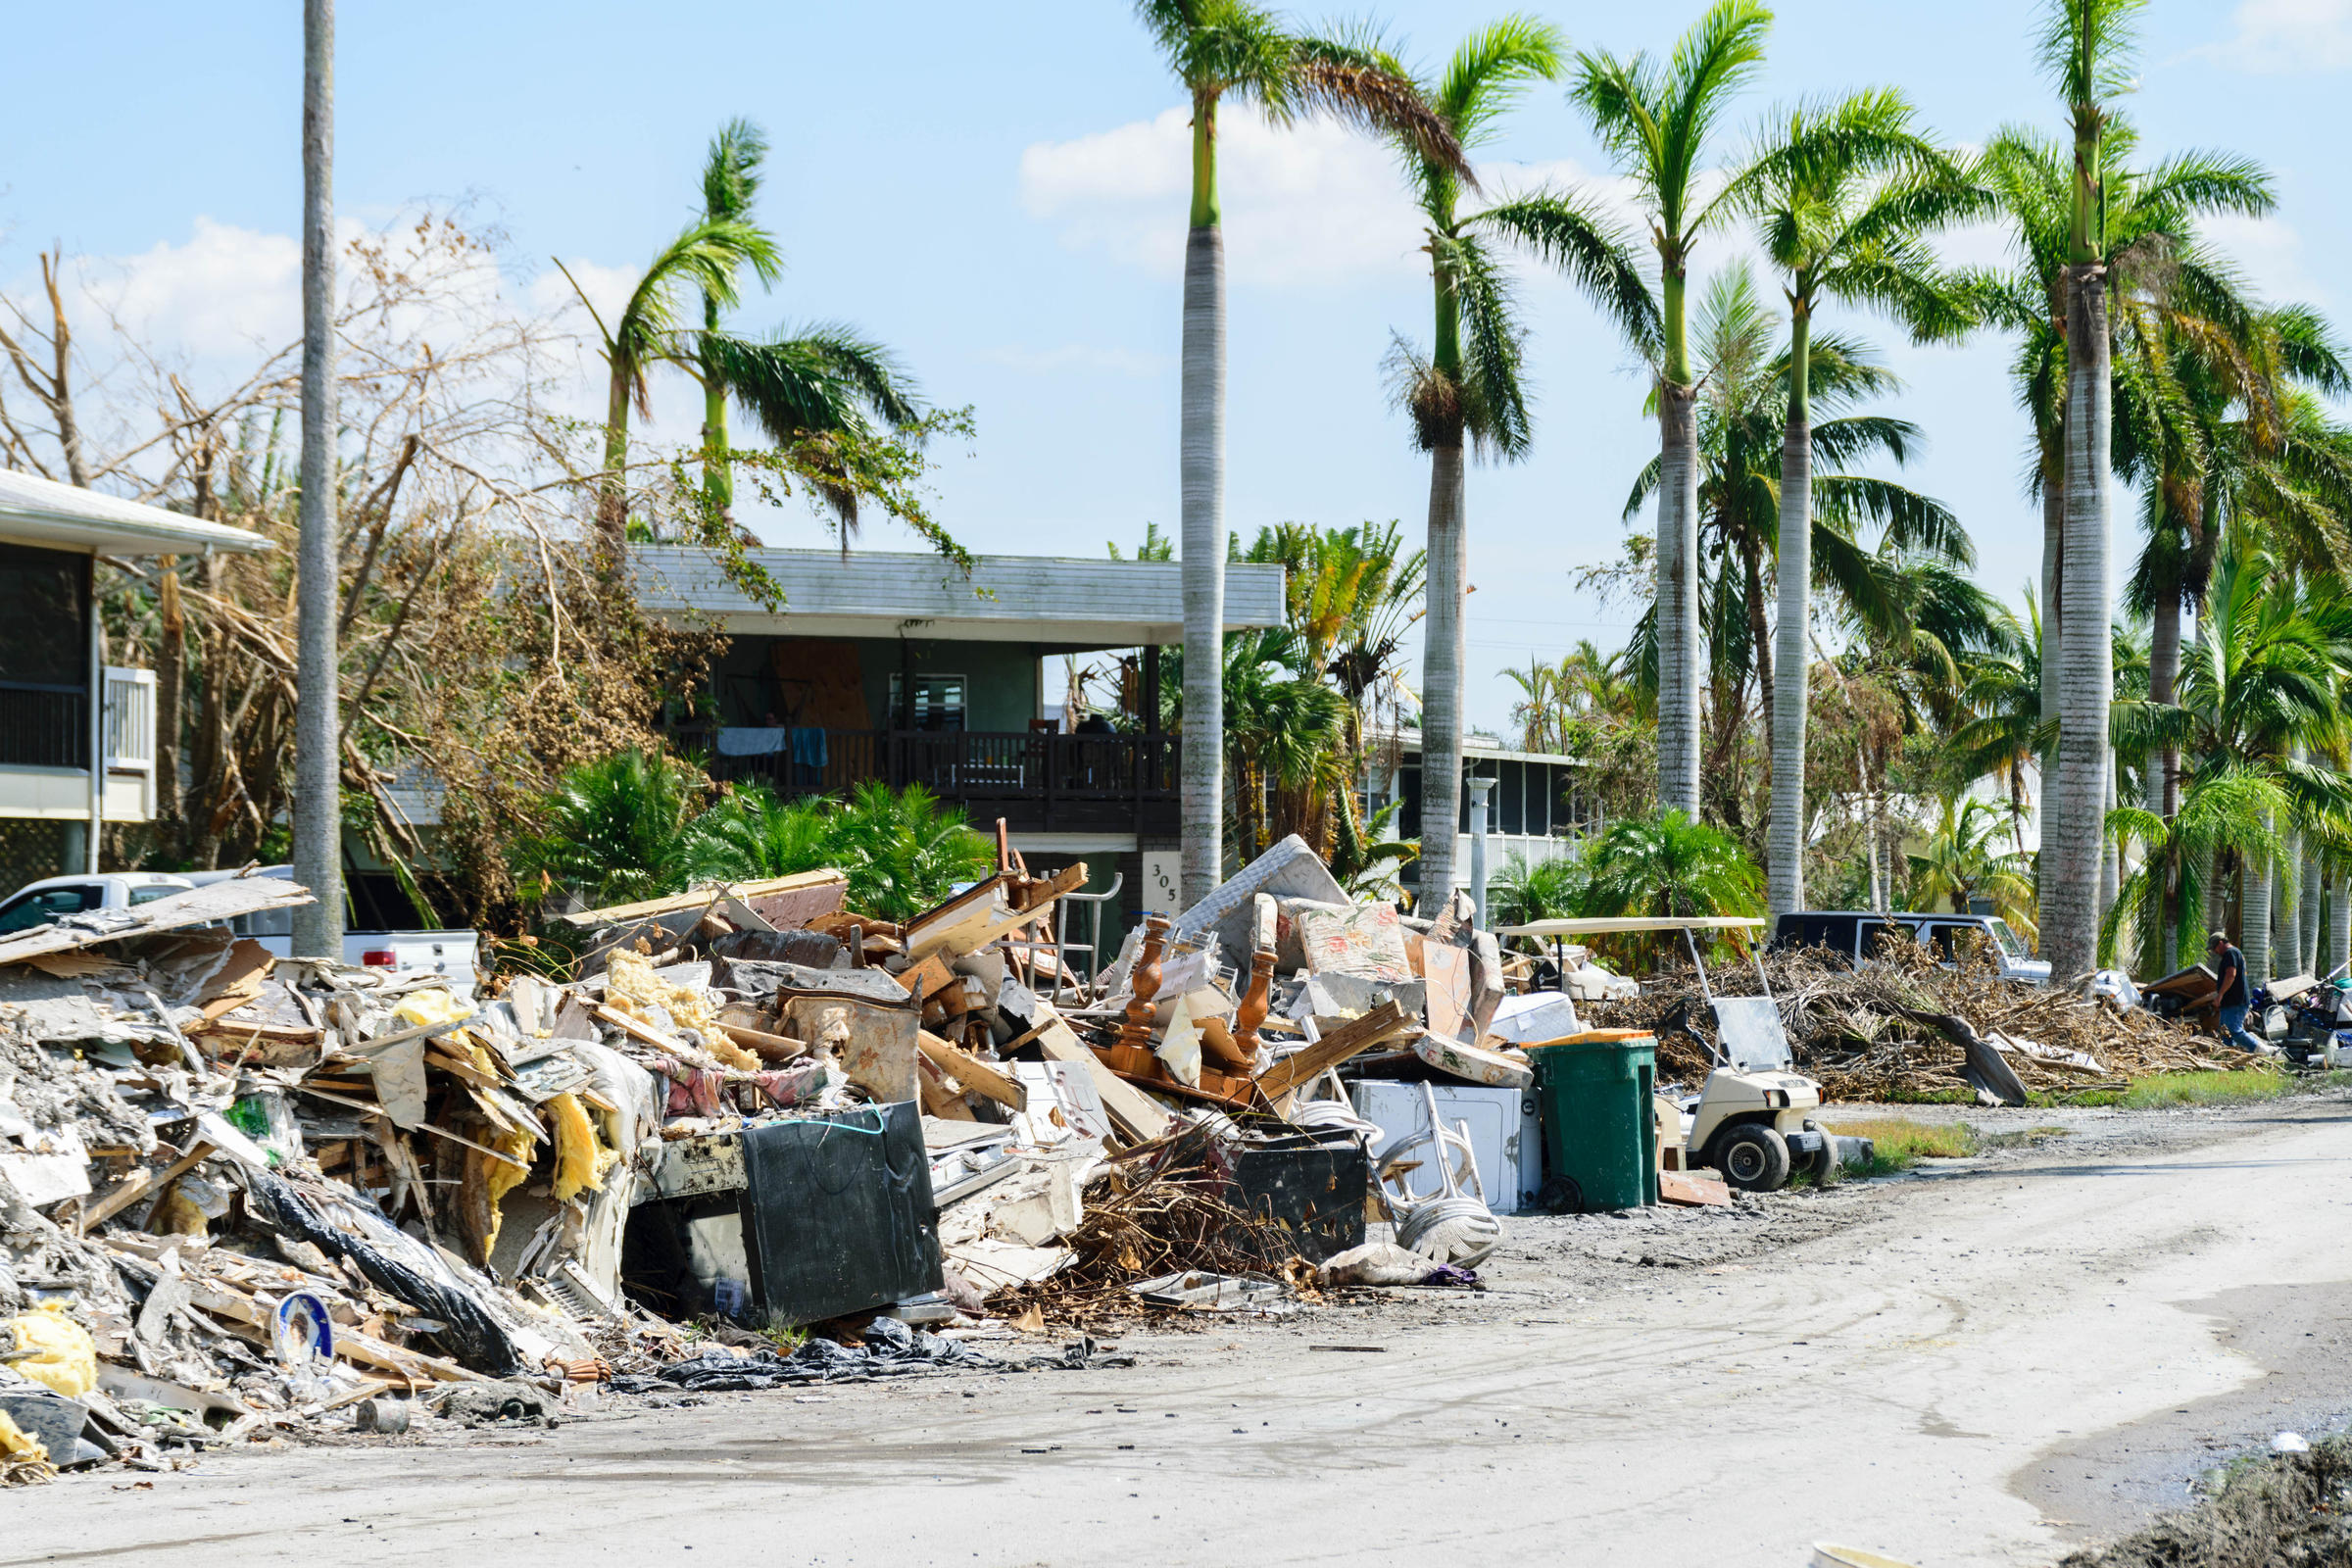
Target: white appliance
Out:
[1504,1138]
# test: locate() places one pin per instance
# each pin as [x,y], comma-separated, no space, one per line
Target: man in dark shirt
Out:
[2229,972]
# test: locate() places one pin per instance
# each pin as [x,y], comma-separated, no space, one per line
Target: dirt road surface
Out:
[1971,1368]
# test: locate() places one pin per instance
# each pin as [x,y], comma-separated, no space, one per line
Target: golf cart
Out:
[1753,1119]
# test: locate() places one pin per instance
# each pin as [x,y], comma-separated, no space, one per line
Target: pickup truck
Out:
[449,953]
[1852,934]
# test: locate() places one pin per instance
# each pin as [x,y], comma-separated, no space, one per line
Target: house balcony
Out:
[1039,783]
[45,748]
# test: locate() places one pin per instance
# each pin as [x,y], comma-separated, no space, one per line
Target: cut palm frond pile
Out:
[1152,1217]
[1871,1033]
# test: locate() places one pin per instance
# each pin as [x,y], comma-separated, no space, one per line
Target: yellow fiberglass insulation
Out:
[580,1159]
[49,1347]
[632,987]
[500,1178]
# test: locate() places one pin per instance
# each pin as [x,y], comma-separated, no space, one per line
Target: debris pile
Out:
[243,1196]
[1908,1025]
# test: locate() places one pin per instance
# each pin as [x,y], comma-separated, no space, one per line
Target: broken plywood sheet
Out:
[1140,1117]
[813,884]
[211,905]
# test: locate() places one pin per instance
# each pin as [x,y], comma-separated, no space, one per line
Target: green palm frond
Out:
[1572,233]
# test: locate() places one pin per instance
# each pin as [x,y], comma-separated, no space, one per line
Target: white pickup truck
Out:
[449,953]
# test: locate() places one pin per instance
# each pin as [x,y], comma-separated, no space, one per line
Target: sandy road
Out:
[1940,1352]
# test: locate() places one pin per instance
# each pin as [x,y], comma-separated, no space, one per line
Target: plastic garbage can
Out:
[1601,1143]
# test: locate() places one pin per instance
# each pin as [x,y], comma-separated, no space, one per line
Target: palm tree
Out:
[1348,600]
[1960,863]
[2263,674]
[1741,424]
[616,829]
[2087,47]
[1220,48]
[707,254]
[1667,864]
[803,387]
[1655,119]
[1285,737]
[901,851]
[1467,389]
[1845,196]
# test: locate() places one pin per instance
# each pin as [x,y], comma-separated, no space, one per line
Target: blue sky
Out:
[994,192]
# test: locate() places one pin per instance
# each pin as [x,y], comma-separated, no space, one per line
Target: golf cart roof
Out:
[1614,927]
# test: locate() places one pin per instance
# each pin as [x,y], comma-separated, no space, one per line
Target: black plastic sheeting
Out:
[473,1336]
[891,1350]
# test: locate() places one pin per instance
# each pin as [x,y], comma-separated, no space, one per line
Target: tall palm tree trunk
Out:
[1442,654]
[1200,474]
[2339,923]
[317,772]
[1681,643]
[611,493]
[2164,684]
[2111,853]
[2254,914]
[2307,925]
[1785,842]
[2053,610]
[2077,831]
[719,474]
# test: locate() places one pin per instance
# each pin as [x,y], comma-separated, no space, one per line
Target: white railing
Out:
[129,720]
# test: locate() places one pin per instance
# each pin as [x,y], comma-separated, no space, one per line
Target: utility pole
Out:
[317,776]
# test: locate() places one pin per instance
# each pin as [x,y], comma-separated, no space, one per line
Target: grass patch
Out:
[1897,1145]
[2166,1089]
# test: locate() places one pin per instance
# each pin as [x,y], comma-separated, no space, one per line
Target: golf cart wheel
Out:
[1753,1159]
[1827,1169]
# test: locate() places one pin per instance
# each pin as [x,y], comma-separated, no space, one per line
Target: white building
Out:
[65,759]
[1537,809]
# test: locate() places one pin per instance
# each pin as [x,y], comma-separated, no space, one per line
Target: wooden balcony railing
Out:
[1039,783]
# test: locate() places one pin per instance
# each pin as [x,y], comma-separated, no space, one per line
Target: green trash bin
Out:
[1593,1094]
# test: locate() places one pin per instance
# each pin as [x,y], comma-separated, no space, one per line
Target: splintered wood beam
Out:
[1349,1040]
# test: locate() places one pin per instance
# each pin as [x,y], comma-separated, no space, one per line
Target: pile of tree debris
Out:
[2284,1509]
[1908,1026]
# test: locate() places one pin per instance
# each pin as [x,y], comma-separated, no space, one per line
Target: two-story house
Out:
[77,733]
[901,667]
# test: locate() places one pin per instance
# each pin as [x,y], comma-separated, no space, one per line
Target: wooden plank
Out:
[1349,1040]
[741,892]
[926,979]
[1069,879]
[931,1081]
[1690,1190]
[766,1046]
[137,1184]
[973,1073]
[1135,1112]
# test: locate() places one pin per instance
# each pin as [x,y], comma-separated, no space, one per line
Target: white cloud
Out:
[2286,36]
[223,293]
[1311,204]
[1081,359]
[1315,203]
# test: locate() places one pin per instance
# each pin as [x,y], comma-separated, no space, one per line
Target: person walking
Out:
[2230,973]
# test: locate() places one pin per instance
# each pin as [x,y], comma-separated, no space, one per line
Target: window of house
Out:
[44,657]
[937,702]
